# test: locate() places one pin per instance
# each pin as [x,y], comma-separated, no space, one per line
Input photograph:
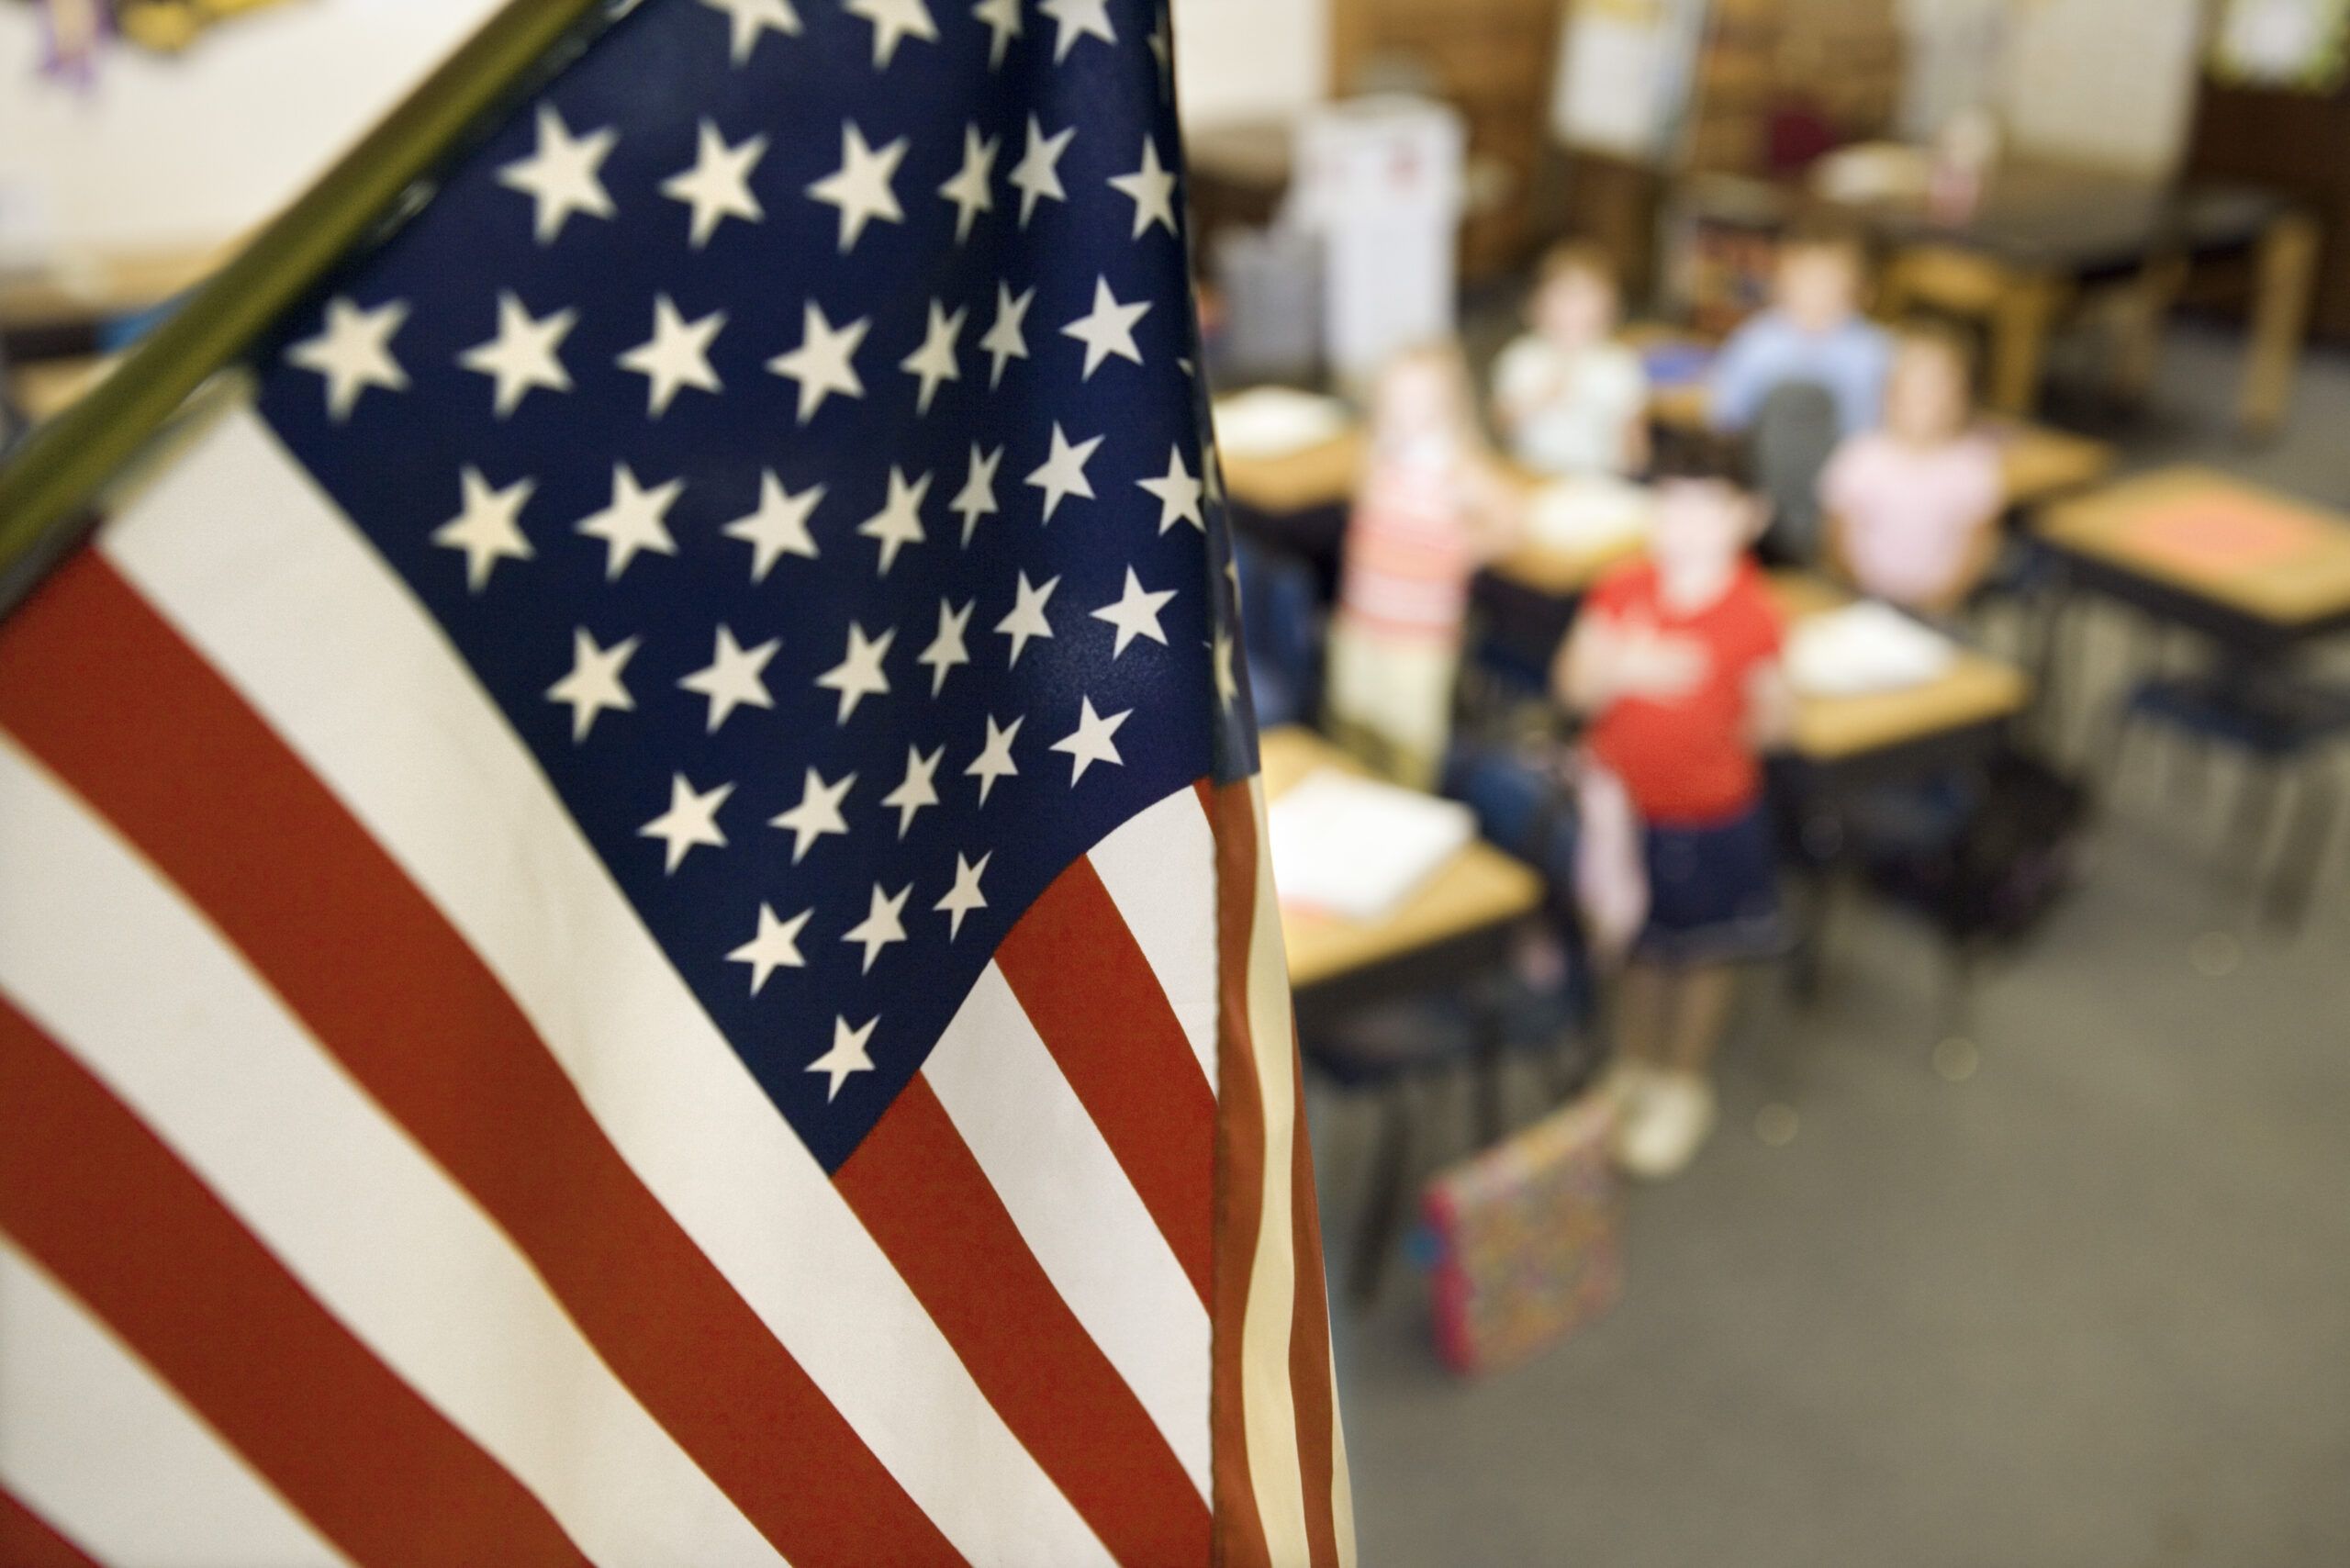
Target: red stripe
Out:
[1241,1175]
[86,1189]
[112,700]
[919,1190]
[28,1540]
[1309,1343]
[1086,986]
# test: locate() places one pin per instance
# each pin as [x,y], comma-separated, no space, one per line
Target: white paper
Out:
[1274,421]
[1355,848]
[1864,647]
[1590,515]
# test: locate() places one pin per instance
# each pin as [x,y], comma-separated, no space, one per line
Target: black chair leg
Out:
[2256,815]
[2304,848]
[1383,1208]
[1490,1119]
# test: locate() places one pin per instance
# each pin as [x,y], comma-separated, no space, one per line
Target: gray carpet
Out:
[2089,1305]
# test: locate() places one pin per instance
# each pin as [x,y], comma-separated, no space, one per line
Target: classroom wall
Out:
[166,154]
[2105,81]
[1250,59]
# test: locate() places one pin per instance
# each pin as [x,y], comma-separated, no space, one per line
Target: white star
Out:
[522,355]
[1162,53]
[1227,685]
[594,683]
[1004,339]
[691,819]
[636,520]
[718,186]
[821,364]
[1075,18]
[775,946]
[947,650]
[894,21]
[976,499]
[1152,189]
[1037,174]
[1178,493]
[964,896]
[354,353]
[1107,329]
[676,355]
[1089,742]
[846,1056]
[733,677]
[1135,614]
[934,361]
[899,522]
[560,177]
[861,186]
[859,674]
[1026,619]
[746,19]
[818,812]
[1003,19]
[1063,471]
[917,791]
[488,527]
[880,925]
[994,760]
[968,188]
[779,527]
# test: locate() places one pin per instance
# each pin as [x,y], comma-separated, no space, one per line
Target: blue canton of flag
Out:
[792,421]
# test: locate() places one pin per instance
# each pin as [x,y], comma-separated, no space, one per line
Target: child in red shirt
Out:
[1675,660]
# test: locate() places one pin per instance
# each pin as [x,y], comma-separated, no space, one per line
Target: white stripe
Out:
[1268,1409]
[207,1056]
[95,1445]
[1160,868]
[1082,1218]
[241,549]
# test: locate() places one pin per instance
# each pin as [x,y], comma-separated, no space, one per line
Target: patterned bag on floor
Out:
[1523,1241]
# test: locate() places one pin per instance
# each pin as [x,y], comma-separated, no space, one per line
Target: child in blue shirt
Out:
[1813,332]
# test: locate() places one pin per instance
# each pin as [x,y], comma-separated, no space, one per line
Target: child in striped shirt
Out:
[1431,508]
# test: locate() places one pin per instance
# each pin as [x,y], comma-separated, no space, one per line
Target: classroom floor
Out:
[2088,1307]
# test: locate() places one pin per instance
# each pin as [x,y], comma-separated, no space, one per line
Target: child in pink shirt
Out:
[1913,508]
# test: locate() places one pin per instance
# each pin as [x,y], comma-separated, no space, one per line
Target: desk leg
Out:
[2020,326]
[2280,314]
[1383,1210]
[2148,313]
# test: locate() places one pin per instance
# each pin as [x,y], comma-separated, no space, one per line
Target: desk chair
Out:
[1794,433]
[1280,620]
[2281,725]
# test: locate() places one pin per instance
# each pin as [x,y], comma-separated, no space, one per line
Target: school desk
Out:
[1453,929]
[47,385]
[62,306]
[1844,745]
[2257,571]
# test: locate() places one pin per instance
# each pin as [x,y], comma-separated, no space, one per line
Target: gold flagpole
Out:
[46,491]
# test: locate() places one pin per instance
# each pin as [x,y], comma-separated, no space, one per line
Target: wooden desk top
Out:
[92,288]
[1319,475]
[47,385]
[1975,690]
[2286,589]
[1480,887]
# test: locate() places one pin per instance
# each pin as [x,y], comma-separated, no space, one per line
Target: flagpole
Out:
[47,489]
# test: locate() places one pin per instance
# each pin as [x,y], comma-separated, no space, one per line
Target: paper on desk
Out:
[1864,647]
[1355,848]
[1590,515]
[1275,421]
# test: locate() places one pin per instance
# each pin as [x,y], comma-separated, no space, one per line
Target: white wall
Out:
[1250,59]
[168,154]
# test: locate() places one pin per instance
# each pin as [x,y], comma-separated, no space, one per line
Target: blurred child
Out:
[1571,398]
[1813,332]
[1675,660]
[1914,508]
[1430,511]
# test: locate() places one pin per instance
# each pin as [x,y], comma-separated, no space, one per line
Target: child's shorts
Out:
[1713,891]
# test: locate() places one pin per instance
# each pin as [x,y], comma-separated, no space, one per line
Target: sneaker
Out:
[1623,1084]
[1665,1126]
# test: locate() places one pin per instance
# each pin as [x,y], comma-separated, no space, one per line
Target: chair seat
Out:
[2276,718]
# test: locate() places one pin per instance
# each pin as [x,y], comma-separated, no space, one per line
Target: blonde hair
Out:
[1576,258]
[1444,357]
[1940,337]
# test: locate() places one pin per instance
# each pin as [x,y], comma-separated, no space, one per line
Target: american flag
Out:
[634,925]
